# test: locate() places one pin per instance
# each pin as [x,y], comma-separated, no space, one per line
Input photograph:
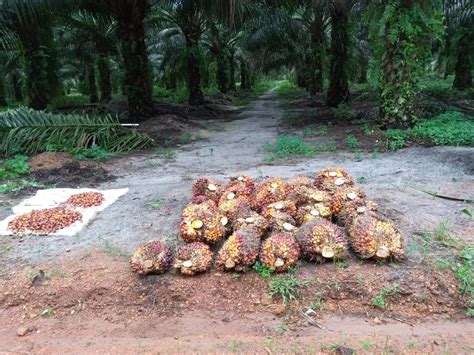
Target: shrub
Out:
[288,90]
[343,112]
[290,146]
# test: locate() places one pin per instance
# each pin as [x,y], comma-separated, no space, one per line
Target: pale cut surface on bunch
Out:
[267,192]
[354,209]
[344,196]
[252,220]
[199,224]
[208,187]
[333,180]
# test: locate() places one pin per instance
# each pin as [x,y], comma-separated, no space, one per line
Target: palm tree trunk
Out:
[338,91]
[463,75]
[232,72]
[194,75]
[91,82]
[17,86]
[104,78]
[222,77]
[3,100]
[131,32]
[245,83]
[316,58]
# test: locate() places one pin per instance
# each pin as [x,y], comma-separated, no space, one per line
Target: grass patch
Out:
[352,141]
[380,301]
[287,147]
[289,91]
[451,128]
[344,113]
[263,271]
[287,287]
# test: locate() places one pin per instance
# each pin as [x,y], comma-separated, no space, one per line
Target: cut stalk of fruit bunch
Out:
[320,239]
[267,192]
[44,221]
[208,187]
[374,237]
[239,251]
[153,257]
[199,224]
[279,252]
[344,196]
[354,209]
[333,180]
[252,220]
[193,258]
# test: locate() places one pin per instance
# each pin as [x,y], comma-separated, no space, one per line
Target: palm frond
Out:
[27,131]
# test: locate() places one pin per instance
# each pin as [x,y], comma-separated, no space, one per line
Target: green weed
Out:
[380,299]
[18,185]
[287,90]
[282,328]
[14,168]
[309,132]
[263,271]
[318,303]
[352,141]
[157,203]
[165,153]
[287,147]
[93,153]
[343,112]
[287,287]
[186,138]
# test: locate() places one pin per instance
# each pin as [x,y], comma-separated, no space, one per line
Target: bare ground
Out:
[97,305]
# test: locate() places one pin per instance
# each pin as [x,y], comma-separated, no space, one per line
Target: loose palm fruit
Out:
[48,220]
[340,198]
[333,180]
[310,212]
[279,252]
[86,199]
[267,192]
[252,220]
[208,187]
[320,239]
[239,251]
[354,209]
[193,258]
[153,257]
[279,209]
[201,225]
[372,237]
[241,185]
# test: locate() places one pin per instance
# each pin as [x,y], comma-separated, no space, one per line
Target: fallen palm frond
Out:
[27,131]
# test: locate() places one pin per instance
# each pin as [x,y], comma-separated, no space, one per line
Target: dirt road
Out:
[227,148]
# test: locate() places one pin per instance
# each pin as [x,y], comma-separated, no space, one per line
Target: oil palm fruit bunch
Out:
[267,192]
[309,212]
[231,206]
[320,239]
[239,251]
[241,185]
[193,258]
[199,224]
[285,225]
[374,237]
[340,198]
[208,187]
[279,210]
[252,220]
[298,181]
[279,252]
[304,195]
[153,257]
[354,209]
[333,180]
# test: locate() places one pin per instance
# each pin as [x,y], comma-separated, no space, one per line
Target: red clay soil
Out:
[93,302]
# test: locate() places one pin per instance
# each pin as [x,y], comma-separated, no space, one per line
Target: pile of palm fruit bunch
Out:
[276,222]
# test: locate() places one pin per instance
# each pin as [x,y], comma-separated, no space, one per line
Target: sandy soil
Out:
[170,314]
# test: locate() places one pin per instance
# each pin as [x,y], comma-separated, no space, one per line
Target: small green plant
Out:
[14,168]
[263,271]
[287,287]
[165,153]
[366,345]
[318,303]
[287,147]
[282,328]
[309,132]
[352,141]
[288,91]
[360,280]
[329,146]
[323,129]
[268,342]
[47,311]
[368,130]
[235,276]
[157,203]
[234,345]
[18,185]
[343,112]
[380,300]
[312,113]
[186,138]
[375,153]
[341,264]
[294,120]
[93,153]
